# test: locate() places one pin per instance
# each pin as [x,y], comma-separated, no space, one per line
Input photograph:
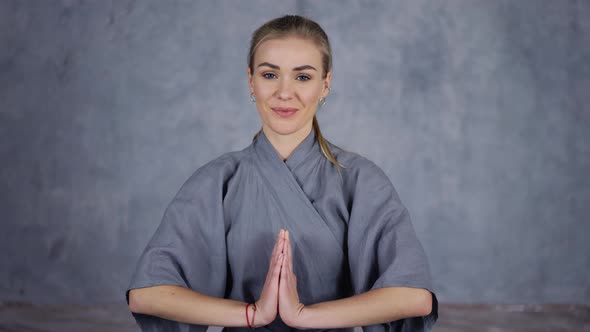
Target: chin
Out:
[284,129]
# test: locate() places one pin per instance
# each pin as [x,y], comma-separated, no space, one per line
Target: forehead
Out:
[288,51]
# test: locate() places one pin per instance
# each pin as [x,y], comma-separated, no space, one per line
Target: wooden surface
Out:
[452,317]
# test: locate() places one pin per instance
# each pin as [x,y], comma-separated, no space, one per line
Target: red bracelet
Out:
[247,318]
[250,325]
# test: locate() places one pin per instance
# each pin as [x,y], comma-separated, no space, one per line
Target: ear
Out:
[250,83]
[327,82]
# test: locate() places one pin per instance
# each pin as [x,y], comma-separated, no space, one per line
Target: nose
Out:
[285,89]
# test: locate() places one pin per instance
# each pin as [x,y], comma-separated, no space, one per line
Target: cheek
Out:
[311,96]
[263,92]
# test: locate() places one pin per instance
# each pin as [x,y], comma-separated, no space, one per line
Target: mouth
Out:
[284,112]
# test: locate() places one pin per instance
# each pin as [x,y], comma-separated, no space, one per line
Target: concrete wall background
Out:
[477,110]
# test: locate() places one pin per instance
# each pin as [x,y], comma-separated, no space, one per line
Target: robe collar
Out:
[307,146]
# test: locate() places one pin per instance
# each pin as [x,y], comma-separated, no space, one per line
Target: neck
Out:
[286,144]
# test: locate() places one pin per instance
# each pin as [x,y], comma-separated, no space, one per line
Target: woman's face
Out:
[286,79]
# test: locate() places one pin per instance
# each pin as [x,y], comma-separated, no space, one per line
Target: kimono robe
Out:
[349,232]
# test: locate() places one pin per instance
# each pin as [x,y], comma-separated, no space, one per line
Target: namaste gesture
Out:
[195,271]
[279,294]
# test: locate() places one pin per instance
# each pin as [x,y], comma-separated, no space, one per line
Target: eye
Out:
[303,77]
[269,76]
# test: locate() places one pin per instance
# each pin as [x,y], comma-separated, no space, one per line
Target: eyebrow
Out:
[304,67]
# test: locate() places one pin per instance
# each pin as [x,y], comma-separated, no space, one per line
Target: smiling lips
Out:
[284,112]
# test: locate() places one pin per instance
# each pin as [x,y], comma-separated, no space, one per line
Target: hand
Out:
[290,308]
[267,304]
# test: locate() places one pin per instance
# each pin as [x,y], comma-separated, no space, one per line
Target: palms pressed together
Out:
[279,294]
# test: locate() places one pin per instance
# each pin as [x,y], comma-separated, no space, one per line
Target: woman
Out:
[291,232]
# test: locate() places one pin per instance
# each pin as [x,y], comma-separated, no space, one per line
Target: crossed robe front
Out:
[349,232]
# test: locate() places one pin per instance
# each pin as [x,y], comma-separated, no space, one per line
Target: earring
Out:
[323,99]
[252,98]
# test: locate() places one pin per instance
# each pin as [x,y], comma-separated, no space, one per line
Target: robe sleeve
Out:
[188,248]
[383,249]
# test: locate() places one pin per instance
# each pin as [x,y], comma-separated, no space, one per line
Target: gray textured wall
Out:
[477,110]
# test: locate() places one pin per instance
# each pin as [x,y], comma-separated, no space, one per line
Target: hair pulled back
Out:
[292,26]
[304,28]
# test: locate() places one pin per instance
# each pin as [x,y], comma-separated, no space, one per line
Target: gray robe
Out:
[350,233]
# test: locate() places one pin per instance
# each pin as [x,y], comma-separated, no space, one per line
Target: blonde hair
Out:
[298,26]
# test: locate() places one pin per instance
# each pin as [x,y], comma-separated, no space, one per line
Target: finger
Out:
[269,299]
[284,270]
[275,254]
[276,271]
[283,280]
[284,240]
[272,279]
[289,253]
[278,243]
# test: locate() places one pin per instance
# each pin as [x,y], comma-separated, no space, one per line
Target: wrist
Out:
[252,320]
[315,317]
[260,318]
[302,320]
[305,319]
